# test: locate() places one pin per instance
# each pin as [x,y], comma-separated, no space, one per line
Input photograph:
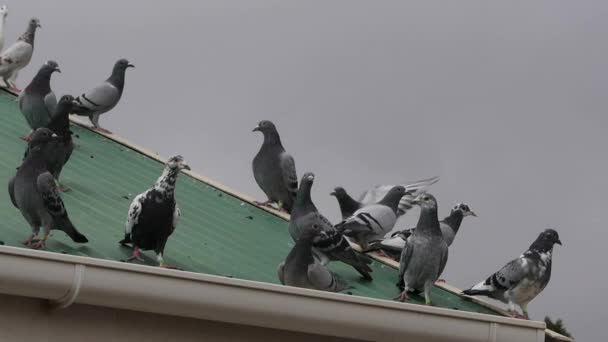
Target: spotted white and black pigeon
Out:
[302,269]
[104,97]
[449,226]
[37,101]
[3,15]
[522,279]
[334,247]
[33,192]
[373,222]
[274,169]
[426,252]
[154,214]
[18,55]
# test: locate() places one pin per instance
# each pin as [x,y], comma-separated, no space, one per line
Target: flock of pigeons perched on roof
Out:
[153,215]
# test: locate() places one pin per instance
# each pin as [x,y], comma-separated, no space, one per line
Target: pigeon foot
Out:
[29,240]
[40,244]
[441,280]
[402,297]
[102,130]
[516,314]
[135,256]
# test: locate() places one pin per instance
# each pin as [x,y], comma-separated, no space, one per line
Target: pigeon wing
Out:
[99,99]
[321,278]
[288,168]
[11,191]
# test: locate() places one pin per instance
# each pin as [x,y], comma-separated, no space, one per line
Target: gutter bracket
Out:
[70,297]
[492,332]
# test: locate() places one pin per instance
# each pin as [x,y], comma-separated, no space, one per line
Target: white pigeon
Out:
[18,55]
[3,14]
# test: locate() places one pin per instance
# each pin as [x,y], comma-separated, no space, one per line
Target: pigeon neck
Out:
[117,79]
[428,223]
[42,80]
[2,24]
[347,204]
[60,122]
[303,201]
[391,201]
[454,220]
[29,34]
[272,138]
[541,246]
[166,182]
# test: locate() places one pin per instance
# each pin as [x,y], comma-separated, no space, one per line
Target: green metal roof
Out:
[218,234]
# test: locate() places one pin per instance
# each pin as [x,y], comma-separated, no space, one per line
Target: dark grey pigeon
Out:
[33,192]
[154,214]
[302,269]
[449,226]
[58,152]
[104,97]
[374,221]
[348,205]
[522,279]
[37,101]
[333,248]
[426,252]
[413,190]
[18,55]
[274,169]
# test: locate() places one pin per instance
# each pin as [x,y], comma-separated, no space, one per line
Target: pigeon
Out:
[414,189]
[333,248]
[373,222]
[348,205]
[153,214]
[37,101]
[302,269]
[3,14]
[522,279]
[449,227]
[18,55]
[104,97]
[274,169]
[32,190]
[426,252]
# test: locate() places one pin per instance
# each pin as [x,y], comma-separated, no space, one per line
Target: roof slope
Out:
[219,233]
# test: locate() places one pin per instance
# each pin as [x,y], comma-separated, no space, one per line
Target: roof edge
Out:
[66,279]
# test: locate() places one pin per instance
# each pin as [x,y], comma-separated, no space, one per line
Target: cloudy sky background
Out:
[505,101]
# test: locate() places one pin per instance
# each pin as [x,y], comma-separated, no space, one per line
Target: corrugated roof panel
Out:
[218,234]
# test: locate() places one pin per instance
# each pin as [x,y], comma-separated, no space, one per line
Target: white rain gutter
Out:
[64,280]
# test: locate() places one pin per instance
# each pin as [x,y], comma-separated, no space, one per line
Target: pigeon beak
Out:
[416,200]
[58,70]
[333,193]
[472,213]
[130,65]
[54,135]
[186,167]
[257,129]
[559,242]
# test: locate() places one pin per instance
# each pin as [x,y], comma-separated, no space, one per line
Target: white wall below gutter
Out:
[64,279]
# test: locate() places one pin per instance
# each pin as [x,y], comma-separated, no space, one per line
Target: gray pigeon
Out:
[274,169]
[426,252]
[522,279]
[348,205]
[374,221]
[333,248]
[154,214]
[302,269]
[33,192]
[37,101]
[449,226]
[104,97]
[18,55]
[413,190]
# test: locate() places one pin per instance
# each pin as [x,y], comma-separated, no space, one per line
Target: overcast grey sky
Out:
[505,101]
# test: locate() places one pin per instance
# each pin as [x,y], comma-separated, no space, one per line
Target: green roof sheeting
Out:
[218,234]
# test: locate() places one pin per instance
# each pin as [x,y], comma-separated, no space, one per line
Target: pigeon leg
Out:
[135,255]
[402,297]
[102,130]
[29,240]
[524,309]
[427,292]
[161,261]
[40,243]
